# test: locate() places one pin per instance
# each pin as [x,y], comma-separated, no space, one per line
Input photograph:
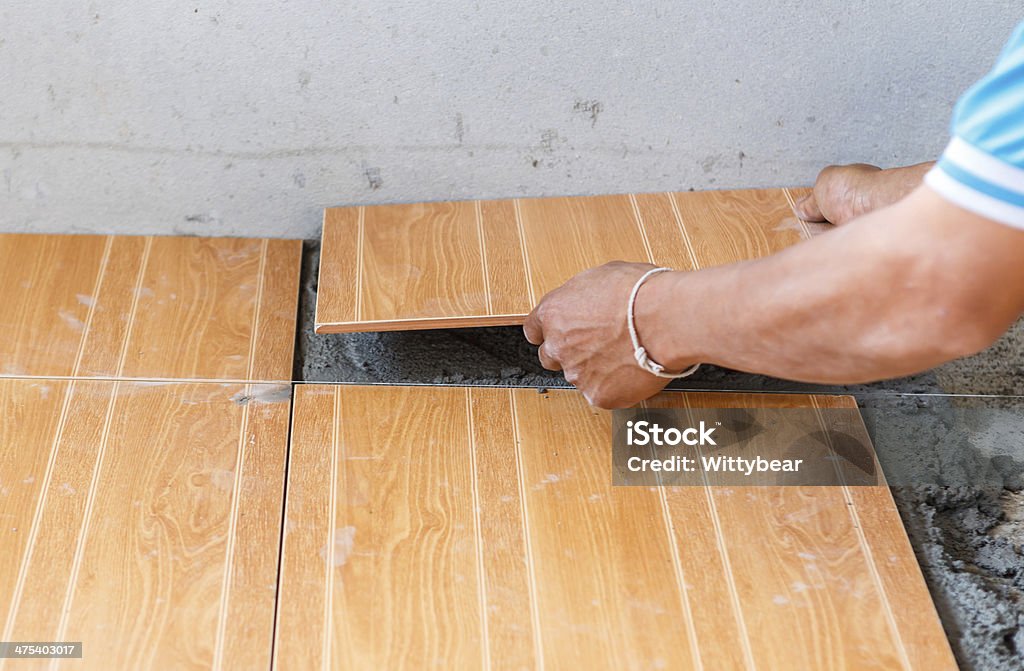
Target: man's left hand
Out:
[581,329]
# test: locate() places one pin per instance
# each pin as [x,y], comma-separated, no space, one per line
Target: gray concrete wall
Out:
[242,118]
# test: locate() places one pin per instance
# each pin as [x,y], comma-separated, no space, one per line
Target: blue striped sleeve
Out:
[982,168]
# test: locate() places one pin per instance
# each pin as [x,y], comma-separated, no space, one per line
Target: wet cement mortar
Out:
[966,526]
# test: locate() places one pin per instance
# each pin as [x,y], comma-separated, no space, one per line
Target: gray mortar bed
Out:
[969,540]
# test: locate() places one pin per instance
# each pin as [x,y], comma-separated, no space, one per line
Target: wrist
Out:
[658,323]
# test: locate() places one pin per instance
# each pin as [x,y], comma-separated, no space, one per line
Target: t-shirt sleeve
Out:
[982,168]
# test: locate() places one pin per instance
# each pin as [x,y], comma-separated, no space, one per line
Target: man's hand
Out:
[844,192]
[581,329]
[841,193]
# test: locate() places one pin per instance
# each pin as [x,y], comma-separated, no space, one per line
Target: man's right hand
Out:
[844,192]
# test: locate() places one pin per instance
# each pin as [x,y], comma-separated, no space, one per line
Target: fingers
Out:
[808,210]
[532,327]
[548,358]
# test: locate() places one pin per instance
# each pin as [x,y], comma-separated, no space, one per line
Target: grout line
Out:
[319,281]
[281,534]
[135,306]
[342,488]
[320,276]
[225,590]
[640,225]
[482,592]
[83,534]
[90,500]
[863,541]
[254,335]
[360,236]
[483,255]
[682,229]
[325,661]
[442,322]
[154,380]
[236,494]
[748,653]
[283,383]
[51,461]
[526,256]
[521,477]
[804,228]
[97,287]
[677,566]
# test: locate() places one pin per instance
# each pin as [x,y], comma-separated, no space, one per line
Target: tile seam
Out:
[723,551]
[360,242]
[478,210]
[528,546]
[325,661]
[804,228]
[677,566]
[218,654]
[526,256]
[865,547]
[280,572]
[319,271]
[255,332]
[485,643]
[682,229]
[640,226]
[236,486]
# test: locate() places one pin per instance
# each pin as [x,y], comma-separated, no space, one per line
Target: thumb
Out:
[808,210]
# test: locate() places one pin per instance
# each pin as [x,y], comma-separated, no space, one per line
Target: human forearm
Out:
[843,193]
[891,185]
[898,291]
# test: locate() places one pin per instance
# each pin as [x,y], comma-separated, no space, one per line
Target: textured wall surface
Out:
[240,118]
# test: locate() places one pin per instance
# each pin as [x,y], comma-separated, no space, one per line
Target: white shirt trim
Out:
[984,165]
[960,194]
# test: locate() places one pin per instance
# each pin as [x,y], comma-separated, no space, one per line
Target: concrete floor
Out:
[962,502]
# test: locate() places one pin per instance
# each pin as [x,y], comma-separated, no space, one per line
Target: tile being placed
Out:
[148,307]
[486,263]
[478,528]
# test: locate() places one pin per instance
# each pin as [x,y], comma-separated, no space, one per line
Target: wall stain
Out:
[460,128]
[709,162]
[373,177]
[202,218]
[589,108]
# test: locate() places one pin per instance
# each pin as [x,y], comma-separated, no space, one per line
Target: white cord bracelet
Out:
[639,353]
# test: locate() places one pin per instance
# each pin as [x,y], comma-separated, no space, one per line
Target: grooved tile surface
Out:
[478,528]
[157,307]
[143,446]
[478,263]
[142,519]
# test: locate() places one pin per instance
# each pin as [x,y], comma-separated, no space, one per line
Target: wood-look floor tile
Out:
[119,306]
[142,519]
[479,263]
[478,528]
